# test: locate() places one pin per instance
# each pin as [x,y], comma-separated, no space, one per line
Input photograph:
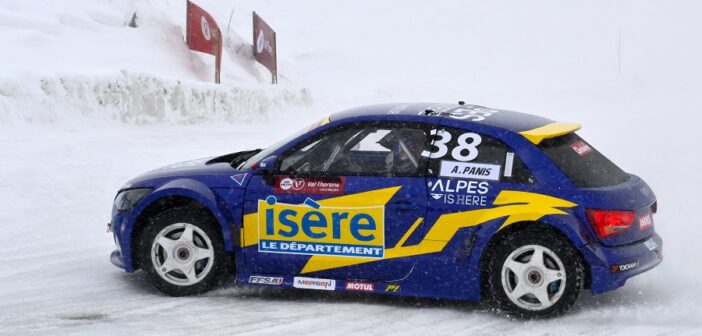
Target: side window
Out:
[349,150]
[464,154]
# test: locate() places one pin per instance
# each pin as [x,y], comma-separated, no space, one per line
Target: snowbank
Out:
[140,99]
[80,61]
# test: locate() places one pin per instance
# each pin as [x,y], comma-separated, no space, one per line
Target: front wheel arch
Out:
[205,236]
[156,207]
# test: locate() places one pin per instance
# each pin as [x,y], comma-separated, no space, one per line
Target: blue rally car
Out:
[449,201]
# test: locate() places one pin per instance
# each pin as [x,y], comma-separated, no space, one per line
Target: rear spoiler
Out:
[551,130]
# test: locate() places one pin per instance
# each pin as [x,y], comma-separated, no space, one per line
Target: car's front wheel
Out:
[182,252]
[535,274]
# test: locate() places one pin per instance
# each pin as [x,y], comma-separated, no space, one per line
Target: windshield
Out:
[583,164]
[268,151]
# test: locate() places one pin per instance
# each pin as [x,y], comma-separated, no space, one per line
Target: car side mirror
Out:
[267,169]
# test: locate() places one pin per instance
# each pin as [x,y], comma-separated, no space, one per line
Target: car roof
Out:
[534,128]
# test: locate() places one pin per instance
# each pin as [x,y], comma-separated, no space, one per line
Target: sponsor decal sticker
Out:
[359,286]
[460,192]
[481,171]
[624,267]
[581,148]
[392,288]
[397,109]
[472,112]
[315,186]
[313,229]
[265,280]
[650,245]
[286,183]
[645,221]
[239,178]
[314,283]
[509,164]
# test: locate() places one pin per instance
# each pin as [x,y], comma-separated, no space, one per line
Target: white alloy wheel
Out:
[182,254]
[533,277]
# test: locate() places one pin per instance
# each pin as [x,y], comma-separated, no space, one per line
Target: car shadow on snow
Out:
[316,296]
[138,283]
[230,291]
[629,296]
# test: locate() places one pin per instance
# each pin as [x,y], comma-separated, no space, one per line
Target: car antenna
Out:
[460,102]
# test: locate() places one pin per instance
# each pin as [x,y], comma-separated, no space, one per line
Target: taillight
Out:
[608,223]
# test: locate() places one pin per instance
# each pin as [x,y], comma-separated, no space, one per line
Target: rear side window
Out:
[583,164]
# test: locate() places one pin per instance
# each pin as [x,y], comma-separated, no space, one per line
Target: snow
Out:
[86,103]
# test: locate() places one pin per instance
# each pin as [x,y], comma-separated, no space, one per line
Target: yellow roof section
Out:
[551,130]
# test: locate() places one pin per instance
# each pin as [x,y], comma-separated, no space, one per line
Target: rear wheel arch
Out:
[515,228]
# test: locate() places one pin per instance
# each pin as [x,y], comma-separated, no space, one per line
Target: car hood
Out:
[205,168]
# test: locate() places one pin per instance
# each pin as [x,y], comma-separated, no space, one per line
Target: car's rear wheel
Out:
[535,274]
[182,252]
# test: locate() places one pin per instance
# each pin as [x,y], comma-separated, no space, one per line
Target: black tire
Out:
[220,261]
[521,243]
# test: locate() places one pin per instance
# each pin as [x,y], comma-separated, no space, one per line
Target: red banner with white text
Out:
[265,49]
[202,34]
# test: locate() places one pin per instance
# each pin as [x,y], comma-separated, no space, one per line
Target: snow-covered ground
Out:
[629,71]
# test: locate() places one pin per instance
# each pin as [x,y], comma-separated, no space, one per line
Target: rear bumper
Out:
[611,267]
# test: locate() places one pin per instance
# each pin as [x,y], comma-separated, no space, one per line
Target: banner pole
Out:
[218,58]
[253,16]
[275,59]
[187,23]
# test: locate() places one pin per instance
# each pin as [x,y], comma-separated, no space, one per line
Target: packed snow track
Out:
[56,277]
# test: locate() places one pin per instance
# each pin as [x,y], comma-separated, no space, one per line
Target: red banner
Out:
[264,46]
[203,34]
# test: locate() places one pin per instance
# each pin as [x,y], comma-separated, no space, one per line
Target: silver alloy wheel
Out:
[182,254]
[533,277]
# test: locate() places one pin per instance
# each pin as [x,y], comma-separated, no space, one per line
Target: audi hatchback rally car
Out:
[430,200]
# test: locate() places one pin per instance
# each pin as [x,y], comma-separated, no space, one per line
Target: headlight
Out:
[127,199]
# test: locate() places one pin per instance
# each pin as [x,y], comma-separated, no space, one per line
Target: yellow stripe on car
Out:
[516,206]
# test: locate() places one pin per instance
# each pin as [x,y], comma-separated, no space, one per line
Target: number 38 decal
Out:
[466,150]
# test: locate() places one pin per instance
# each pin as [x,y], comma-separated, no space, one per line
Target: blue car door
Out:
[337,202]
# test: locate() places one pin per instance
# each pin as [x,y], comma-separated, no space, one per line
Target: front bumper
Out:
[116,259]
[613,266]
